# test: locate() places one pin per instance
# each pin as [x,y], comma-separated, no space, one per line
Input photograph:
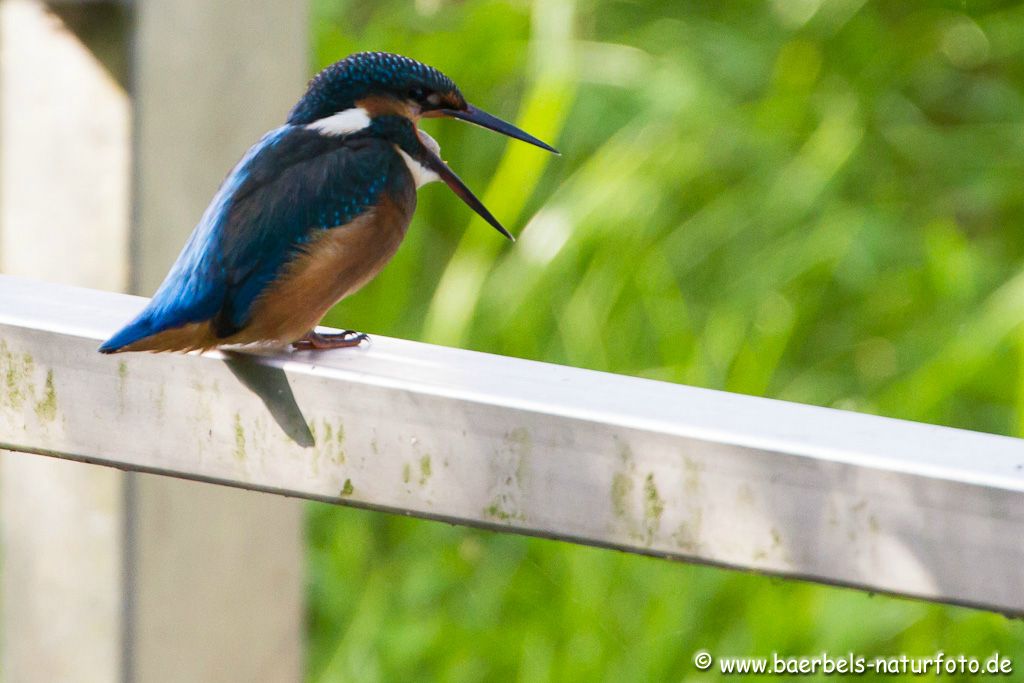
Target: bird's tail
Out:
[156,330]
[136,330]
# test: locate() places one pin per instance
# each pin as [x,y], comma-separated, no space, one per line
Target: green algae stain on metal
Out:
[495,511]
[687,534]
[328,441]
[504,510]
[333,442]
[691,484]
[424,469]
[17,375]
[239,438]
[46,407]
[406,473]
[622,487]
[122,385]
[520,436]
[347,489]
[340,443]
[315,462]
[776,550]
[623,494]
[745,496]
[522,444]
[654,506]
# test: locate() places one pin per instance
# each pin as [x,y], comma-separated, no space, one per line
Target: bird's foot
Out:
[314,341]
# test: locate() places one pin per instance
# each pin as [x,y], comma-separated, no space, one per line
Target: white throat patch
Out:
[356,119]
[420,173]
[342,123]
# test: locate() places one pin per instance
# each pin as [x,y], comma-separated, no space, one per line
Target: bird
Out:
[311,213]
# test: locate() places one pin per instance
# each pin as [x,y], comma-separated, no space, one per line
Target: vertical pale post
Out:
[107,576]
[219,573]
[64,186]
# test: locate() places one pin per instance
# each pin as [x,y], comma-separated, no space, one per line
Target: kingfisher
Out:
[312,212]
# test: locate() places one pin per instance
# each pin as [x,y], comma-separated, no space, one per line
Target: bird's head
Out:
[384,94]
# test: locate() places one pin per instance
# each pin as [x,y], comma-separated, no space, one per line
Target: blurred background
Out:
[813,200]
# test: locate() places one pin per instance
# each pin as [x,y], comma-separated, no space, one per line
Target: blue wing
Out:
[293,184]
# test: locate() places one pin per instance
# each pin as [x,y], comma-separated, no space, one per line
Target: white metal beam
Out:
[644,466]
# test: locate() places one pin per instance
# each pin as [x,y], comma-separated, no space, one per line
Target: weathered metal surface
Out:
[590,457]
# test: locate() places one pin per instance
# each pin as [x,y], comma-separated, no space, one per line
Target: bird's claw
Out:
[314,341]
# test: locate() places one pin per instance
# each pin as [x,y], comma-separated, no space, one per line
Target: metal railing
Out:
[588,457]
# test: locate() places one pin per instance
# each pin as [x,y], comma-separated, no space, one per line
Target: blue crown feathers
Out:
[340,85]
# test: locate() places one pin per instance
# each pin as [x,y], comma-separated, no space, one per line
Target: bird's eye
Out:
[418,94]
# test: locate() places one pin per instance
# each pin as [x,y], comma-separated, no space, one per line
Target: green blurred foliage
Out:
[815,200]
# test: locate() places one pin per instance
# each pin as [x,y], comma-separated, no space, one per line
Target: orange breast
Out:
[336,264]
[330,268]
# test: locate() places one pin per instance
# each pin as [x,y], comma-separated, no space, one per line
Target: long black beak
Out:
[435,164]
[485,120]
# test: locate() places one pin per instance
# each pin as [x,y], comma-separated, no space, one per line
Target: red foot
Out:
[314,341]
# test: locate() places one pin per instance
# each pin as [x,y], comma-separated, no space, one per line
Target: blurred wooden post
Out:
[64,208]
[209,79]
[109,576]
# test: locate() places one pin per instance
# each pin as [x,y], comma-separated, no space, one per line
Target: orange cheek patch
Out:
[380,105]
